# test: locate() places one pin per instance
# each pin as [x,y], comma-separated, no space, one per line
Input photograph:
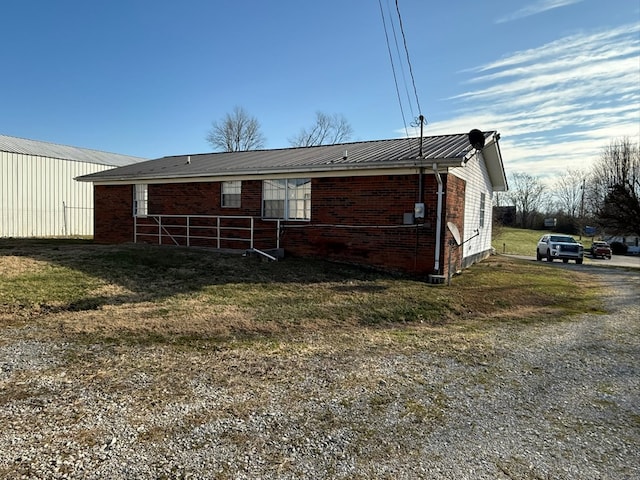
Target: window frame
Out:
[286,199]
[235,195]
[140,205]
[483,205]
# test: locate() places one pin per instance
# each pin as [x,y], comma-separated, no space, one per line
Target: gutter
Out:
[257,173]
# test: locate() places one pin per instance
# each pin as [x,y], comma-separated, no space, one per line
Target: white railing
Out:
[210,230]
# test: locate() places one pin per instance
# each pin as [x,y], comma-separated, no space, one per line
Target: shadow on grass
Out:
[77,275]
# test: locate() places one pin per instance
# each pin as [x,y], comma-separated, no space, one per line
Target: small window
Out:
[288,199]
[231,193]
[482,208]
[140,200]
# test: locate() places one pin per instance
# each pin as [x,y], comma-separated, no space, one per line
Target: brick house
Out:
[390,204]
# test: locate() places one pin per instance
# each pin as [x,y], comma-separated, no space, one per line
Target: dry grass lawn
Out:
[199,301]
[162,294]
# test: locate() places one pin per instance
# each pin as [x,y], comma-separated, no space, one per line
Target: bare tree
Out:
[237,132]
[500,199]
[568,190]
[526,192]
[614,188]
[328,130]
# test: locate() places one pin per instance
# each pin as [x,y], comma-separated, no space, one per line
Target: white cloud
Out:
[535,8]
[557,106]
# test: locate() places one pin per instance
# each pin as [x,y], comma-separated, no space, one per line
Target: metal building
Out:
[38,194]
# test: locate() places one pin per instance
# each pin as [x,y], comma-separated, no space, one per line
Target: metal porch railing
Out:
[218,231]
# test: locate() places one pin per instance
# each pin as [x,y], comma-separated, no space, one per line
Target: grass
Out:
[516,241]
[154,294]
[520,241]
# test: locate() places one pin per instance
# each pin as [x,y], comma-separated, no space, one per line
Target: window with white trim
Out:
[140,200]
[231,193]
[482,208]
[287,199]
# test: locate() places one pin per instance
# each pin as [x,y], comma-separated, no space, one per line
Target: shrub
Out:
[618,248]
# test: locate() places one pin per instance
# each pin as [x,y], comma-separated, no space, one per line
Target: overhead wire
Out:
[406,49]
[393,68]
[416,120]
[404,78]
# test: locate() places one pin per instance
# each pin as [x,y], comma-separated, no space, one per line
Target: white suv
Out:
[561,247]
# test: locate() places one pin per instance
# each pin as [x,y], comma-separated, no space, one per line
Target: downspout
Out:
[436,266]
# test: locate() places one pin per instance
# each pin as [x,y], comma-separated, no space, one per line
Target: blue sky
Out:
[559,79]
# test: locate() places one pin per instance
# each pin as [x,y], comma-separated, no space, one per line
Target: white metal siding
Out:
[34,191]
[478,181]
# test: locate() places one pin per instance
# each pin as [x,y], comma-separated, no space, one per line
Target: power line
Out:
[419,119]
[404,78]
[406,49]
[393,69]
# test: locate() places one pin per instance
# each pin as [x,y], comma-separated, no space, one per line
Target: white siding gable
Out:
[476,176]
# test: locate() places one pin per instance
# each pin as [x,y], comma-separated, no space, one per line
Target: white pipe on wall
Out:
[438,219]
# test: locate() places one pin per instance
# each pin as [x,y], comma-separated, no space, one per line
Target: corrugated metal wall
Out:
[40,198]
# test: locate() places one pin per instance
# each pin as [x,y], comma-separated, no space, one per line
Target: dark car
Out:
[600,249]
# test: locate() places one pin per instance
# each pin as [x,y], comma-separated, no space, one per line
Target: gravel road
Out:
[547,400]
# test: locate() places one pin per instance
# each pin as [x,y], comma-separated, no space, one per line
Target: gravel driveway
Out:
[546,400]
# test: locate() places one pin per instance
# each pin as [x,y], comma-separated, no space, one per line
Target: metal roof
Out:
[64,152]
[367,155]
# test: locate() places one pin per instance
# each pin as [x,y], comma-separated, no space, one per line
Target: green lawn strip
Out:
[520,241]
[516,241]
[54,286]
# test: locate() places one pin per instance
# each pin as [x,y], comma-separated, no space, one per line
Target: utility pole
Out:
[581,222]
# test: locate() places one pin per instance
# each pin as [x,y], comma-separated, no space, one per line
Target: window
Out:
[482,208]
[140,200]
[231,193]
[288,199]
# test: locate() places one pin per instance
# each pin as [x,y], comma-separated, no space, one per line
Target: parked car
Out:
[562,247]
[600,249]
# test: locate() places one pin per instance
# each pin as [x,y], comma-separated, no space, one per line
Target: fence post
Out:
[64,218]
[251,241]
[218,231]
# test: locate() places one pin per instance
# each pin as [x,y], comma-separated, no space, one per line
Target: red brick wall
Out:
[454,212]
[113,210]
[202,198]
[360,220]
[353,219]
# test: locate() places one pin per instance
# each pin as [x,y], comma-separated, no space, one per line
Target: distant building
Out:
[632,242]
[38,194]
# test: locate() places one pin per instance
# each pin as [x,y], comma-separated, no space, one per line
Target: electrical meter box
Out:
[418,211]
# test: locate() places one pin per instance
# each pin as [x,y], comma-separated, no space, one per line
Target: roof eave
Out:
[99,177]
[494,164]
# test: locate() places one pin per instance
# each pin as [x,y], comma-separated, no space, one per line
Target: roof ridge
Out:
[45,142]
[355,142]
